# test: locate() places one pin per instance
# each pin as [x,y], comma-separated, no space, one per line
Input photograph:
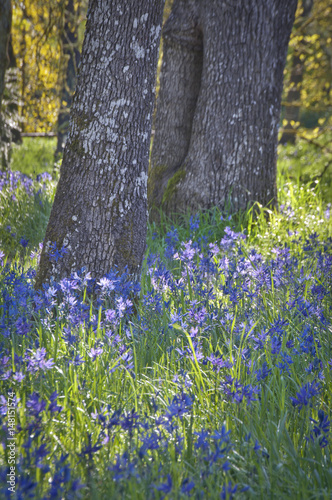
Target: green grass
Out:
[111,427]
[34,156]
[25,212]
[304,163]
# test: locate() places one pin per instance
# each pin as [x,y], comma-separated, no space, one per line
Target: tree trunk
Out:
[23,66]
[182,63]
[10,120]
[5,26]
[292,110]
[70,59]
[99,213]
[231,152]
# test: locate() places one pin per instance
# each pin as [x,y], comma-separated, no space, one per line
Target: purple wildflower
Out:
[24,242]
[94,353]
[305,394]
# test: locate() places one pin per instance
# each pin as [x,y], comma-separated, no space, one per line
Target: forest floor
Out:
[210,379]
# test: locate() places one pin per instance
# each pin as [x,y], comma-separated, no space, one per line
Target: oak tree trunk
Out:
[99,213]
[230,156]
[180,80]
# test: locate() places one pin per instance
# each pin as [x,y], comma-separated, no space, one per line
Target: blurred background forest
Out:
[46,38]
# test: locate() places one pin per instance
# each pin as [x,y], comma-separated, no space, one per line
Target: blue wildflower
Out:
[305,394]
[165,487]
[187,486]
[228,491]
[24,242]
[263,372]
[321,429]
[179,406]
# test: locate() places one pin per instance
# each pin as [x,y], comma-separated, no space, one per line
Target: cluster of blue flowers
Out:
[13,181]
[227,324]
[25,208]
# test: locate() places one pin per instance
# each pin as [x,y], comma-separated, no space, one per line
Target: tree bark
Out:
[14,134]
[70,58]
[231,155]
[99,213]
[180,80]
[23,65]
[5,26]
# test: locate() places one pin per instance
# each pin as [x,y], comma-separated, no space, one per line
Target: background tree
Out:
[219,104]
[36,42]
[307,96]
[292,109]
[99,213]
[11,130]
[68,69]
[5,26]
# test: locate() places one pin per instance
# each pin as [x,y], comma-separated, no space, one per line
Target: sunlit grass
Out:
[34,156]
[212,379]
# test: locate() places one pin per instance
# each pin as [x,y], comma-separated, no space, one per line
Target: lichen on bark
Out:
[100,207]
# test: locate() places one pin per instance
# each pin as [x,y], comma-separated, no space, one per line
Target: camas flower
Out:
[37,361]
[94,353]
[24,242]
[55,254]
[179,406]
[321,429]
[305,394]
[165,487]
[186,486]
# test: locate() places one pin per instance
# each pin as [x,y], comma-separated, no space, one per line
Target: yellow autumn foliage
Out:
[311,41]
[36,42]
[36,27]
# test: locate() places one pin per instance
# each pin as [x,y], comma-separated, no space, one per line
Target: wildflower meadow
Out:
[211,378]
